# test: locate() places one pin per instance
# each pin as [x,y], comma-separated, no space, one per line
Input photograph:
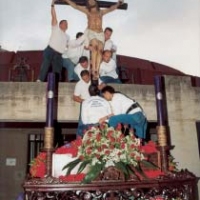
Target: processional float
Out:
[177,185]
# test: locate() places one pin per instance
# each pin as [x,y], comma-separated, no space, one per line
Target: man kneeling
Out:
[125,110]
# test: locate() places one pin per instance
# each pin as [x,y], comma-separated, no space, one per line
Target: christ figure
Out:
[94,32]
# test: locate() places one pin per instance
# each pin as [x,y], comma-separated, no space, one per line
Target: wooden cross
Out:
[102,4]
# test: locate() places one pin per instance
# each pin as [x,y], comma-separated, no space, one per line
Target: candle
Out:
[159,92]
[50,100]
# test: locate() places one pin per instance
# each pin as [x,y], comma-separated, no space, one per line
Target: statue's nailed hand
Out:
[121,2]
[53,2]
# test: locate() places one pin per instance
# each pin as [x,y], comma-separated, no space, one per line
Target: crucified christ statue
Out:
[94,32]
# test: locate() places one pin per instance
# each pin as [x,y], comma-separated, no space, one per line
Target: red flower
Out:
[138,158]
[79,177]
[107,152]
[102,126]
[89,134]
[119,127]
[112,146]
[132,146]
[81,157]
[104,146]
[121,136]
[150,147]
[118,140]
[98,137]
[132,154]
[110,133]
[112,139]
[77,142]
[99,149]
[38,168]
[42,156]
[89,151]
[41,170]
[88,142]
[97,156]
[122,146]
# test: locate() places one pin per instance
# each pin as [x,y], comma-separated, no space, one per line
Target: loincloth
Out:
[90,35]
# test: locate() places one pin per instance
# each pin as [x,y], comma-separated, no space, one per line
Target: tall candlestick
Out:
[161,128]
[159,92]
[49,128]
[50,100]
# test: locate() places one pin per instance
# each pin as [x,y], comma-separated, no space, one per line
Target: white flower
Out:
[109,163]
[123,157]
[95,160]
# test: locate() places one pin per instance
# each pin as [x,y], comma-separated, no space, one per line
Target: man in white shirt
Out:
[126,111]
[71,56]
[81,91]
[94,108]
[107,70]
[81,88]
[82,65]
[53,53]
[109,45]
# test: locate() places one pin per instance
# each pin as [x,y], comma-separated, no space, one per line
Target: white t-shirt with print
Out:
[93,109]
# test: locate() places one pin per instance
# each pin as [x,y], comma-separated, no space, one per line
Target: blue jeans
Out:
[69,66]
[82,127]
[108,79]
[137,121]
[50,57]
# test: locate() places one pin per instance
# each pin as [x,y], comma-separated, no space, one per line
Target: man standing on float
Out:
[94,31]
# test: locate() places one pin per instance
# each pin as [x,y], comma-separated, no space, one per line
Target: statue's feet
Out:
[95,75]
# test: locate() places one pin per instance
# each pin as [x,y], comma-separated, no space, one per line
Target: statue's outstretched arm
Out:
[112,8]
[77,7]
[53,14]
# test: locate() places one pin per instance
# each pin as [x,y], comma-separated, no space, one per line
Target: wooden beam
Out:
[102,4]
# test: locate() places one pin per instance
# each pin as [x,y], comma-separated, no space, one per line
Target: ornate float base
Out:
[176,186]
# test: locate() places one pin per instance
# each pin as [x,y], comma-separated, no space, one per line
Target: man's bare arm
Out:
[112,8]
[53,14]
[77,99]
[103,119]
[77,7]
[101,86]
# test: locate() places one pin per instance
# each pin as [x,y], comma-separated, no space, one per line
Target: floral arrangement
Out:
[105,146]
[100,148]
[38,165]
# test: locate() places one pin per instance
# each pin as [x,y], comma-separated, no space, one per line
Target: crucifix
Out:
[94,33]
[102,4]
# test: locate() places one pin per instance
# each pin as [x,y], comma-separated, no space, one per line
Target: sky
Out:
[162,31]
